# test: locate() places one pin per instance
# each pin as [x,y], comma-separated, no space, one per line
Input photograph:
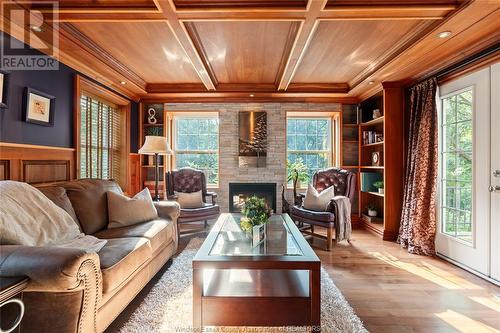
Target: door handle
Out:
[495,188]
[496,173]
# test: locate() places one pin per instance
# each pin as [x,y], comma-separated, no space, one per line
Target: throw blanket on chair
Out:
[343,227]
[28,217]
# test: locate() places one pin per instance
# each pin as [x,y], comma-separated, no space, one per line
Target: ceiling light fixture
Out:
[371,82]
[444,34]
[36,28]
[252,95]
[123,82]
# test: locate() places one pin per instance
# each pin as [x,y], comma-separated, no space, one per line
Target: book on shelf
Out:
[370,137]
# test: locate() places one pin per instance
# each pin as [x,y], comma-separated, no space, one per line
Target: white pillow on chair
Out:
[318,201]
[189,200]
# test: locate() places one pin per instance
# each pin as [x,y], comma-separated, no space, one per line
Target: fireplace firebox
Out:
[238,192]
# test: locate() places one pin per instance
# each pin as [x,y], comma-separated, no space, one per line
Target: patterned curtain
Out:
[418,221]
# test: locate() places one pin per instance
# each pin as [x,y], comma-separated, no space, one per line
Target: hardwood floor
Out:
[394,291]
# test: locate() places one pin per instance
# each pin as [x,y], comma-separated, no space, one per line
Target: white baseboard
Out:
[468,269]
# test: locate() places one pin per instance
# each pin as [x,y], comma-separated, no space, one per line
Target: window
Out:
[456,164]
[309,140]
[102,129]
[196,143]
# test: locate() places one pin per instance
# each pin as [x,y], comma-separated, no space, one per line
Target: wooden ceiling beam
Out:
[129,16]
[302,40]
[296,88]
[181,34]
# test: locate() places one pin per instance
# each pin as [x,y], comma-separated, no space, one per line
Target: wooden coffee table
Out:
[274,284]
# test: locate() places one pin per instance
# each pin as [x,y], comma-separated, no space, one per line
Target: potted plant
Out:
[297,172]
[372,210]
[379,185]
[256,214]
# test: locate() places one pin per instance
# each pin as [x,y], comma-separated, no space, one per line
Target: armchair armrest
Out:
[52,268]
[213,195]
[172,197]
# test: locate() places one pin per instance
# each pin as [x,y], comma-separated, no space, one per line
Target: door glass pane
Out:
[456,165]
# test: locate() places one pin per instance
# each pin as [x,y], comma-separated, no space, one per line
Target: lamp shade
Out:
[155,145]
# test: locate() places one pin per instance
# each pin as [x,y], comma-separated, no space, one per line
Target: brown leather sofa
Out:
[73,291]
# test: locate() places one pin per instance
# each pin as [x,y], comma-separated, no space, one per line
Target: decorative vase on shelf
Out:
[381,190]
[152,116]
[376,114]
[372,213]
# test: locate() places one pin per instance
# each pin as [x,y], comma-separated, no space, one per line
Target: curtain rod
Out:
[464,63]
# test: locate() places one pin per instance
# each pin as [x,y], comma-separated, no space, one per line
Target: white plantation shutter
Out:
[101,139]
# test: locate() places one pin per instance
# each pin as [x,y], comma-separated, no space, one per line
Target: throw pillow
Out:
[318,201]
[189,200]
[28,217]
[124,211]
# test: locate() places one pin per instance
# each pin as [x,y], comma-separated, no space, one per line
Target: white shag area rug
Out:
[168,306]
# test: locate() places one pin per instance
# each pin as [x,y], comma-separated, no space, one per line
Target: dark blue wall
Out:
[56,83]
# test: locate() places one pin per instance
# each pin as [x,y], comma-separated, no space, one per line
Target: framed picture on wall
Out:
[38,107]
[4,89]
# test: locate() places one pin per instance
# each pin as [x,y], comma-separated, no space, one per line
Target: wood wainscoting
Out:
[36,164]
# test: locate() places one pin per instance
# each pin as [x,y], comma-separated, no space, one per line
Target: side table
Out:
[9,288]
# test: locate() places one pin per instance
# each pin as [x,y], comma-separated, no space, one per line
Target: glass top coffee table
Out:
[276,283]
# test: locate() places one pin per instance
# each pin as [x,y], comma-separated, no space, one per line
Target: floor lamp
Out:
[156,145]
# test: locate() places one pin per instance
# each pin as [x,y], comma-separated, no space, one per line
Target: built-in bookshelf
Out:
[350,148]
[375,127]
[148,126]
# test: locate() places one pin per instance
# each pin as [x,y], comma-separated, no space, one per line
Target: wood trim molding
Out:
[5,167]
[45,171]
[86,43]
[198,45]
[19,155]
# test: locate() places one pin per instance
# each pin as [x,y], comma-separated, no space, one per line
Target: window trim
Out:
[173,132]
[333,117]
[94,90]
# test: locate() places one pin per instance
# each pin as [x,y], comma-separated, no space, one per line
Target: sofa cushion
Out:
[120,258]
[58,196]
[88,197]
[160,233]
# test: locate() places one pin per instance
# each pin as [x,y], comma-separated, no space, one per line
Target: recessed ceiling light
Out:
[371,82]
[123,82]
[252,95]
[36,28]
[444,34]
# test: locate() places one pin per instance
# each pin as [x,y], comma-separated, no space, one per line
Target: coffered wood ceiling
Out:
[287,49]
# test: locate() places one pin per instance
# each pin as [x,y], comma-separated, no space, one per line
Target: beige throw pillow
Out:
[318,201]
[124,211]
[189,200]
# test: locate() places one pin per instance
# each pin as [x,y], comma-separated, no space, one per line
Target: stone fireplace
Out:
[239,192]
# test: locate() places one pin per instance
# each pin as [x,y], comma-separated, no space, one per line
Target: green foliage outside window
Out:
[197,145]
[456,158]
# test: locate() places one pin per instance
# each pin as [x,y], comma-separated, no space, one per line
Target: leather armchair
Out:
[345,184]
[188,180]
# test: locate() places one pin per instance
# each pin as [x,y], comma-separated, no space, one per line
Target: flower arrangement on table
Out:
[256,212]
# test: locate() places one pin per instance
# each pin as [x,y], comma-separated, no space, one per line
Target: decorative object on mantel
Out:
[4,89]
[252,138]
[372,210]
[38,107]
[379,185]
[377,114]
[156,145]
[256,214]
[152,116]
[376,158]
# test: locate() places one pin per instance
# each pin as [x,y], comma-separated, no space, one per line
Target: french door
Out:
[469,148]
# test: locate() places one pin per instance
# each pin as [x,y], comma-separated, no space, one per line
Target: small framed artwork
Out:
[4,89]
[38,107]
